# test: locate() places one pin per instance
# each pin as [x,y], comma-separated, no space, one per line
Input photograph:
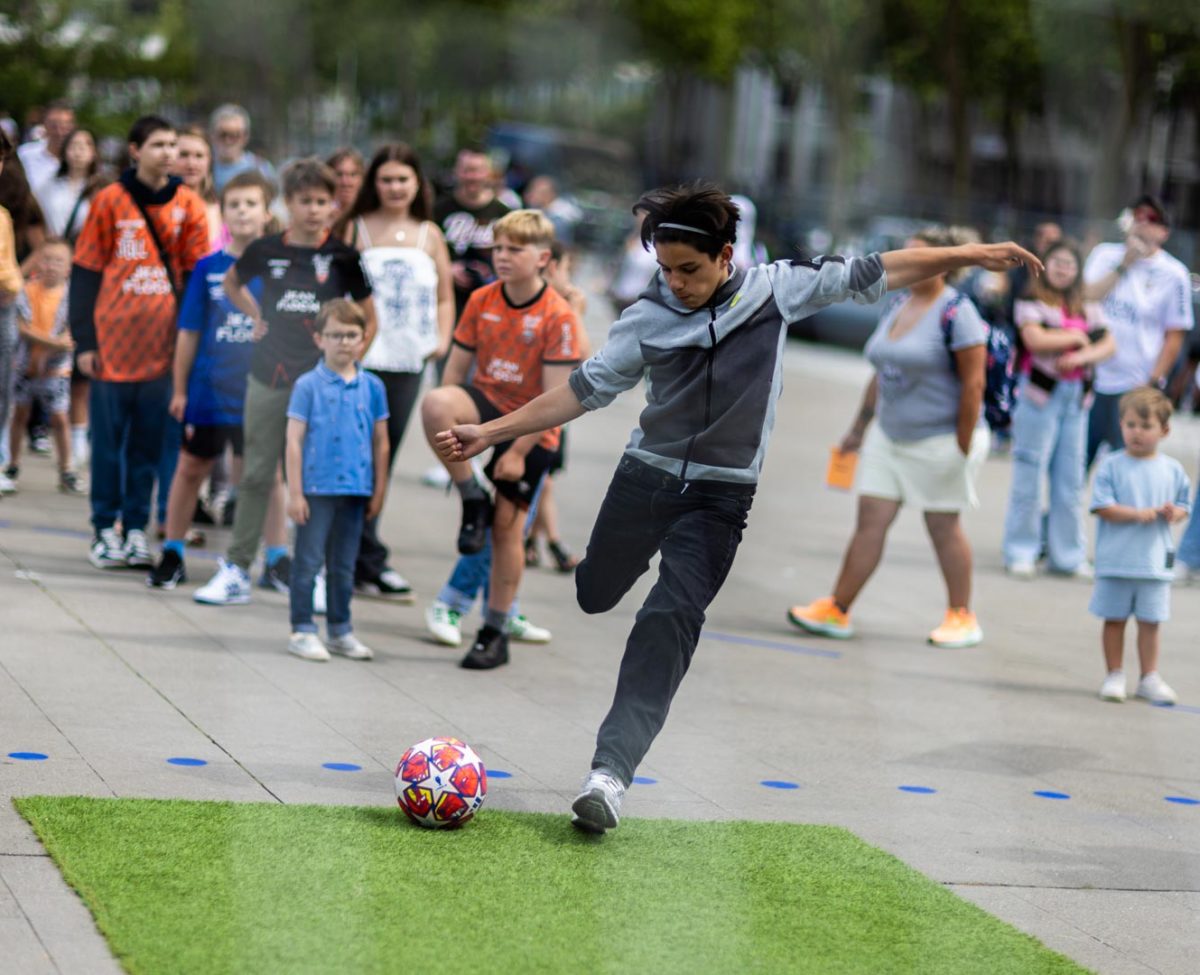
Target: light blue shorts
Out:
[1114,598]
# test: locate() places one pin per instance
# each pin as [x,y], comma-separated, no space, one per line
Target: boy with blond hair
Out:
[1139,493]
[523,338]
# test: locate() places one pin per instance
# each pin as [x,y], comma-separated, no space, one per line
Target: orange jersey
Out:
[38,312]
[135,309]
[512,343]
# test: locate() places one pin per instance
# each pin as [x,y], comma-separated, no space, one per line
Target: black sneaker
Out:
[228,512]
[68,483]
[489,650]
[277,575]
[389,585]
[168,573]
[476,519]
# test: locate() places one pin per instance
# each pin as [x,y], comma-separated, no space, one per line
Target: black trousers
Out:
[697,528]
[402,389]
[1104,425]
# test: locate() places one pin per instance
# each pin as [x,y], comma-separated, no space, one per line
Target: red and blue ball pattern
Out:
[440,783]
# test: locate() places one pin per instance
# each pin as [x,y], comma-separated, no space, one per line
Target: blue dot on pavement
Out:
[1046,794]
[495,773]
[342,767]
[28,756]
[644,780]
[191,762]
[920,790]
[779,784]
[1182,800]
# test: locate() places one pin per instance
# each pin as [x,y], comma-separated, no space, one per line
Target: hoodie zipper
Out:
[708,384]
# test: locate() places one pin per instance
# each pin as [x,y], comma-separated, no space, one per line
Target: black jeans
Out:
[402,389]
[1104,425]
[697,529]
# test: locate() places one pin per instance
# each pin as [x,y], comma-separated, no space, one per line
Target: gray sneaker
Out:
[598,806]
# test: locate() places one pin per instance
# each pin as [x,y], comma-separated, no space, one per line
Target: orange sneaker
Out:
[824,618]
[958,629]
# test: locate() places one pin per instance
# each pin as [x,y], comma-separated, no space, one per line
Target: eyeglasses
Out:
[344,337]
[229,135]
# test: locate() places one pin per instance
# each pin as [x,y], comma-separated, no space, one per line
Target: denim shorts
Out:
[1114,598]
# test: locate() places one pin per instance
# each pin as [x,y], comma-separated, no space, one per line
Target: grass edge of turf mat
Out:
[182,886]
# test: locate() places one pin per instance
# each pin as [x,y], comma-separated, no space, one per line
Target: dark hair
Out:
[6,147]
[308,174]
[18,199]
[704,207]
[559,250]
[367,200]
[146,126]
[94,168]
[1072,297]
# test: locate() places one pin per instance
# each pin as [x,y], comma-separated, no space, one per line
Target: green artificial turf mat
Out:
[208,887]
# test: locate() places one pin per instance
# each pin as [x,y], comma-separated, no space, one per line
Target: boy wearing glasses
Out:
[300,270]
[337,452]
[1147,300]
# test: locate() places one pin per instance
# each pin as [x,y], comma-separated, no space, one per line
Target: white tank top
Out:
[404,283]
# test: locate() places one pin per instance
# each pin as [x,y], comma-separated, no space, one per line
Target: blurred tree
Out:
[833,43]
[967,52]
[114,60]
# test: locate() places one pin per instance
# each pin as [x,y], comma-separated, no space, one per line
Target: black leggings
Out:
[402,389]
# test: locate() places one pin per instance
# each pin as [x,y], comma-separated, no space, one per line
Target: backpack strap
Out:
[949,313]
[163,255]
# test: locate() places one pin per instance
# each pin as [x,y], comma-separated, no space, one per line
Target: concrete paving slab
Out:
[114,679]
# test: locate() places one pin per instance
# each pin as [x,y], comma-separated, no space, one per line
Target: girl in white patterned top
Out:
[408,264]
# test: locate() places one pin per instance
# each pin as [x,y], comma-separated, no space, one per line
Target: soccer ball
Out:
[440,782]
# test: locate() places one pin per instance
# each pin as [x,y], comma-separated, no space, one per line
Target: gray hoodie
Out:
[713,374]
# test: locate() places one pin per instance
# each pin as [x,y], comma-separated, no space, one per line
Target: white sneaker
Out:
[108,551]
[137,550]
[1022,570]
[1113,688]
[7,484]
[1084,572]
[521,630]
[1154,689]
[320,603]
[444,623]
[598,805]
[436,477]
[1185,575]
[229,587]
[350,646]
[307,646]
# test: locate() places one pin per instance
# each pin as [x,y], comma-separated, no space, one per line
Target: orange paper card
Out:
[840,473]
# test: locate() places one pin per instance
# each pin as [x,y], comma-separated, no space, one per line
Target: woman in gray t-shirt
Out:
[930,354]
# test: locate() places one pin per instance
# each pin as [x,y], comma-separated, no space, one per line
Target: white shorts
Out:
[930,474]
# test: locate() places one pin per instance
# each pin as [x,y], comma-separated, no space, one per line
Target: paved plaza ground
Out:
[109,680]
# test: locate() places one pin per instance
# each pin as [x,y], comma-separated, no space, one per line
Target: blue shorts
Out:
[1114,598]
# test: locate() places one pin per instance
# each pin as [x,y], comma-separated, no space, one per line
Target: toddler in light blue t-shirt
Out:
[1138,494]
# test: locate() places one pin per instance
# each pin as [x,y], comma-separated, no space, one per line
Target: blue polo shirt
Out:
[341,418]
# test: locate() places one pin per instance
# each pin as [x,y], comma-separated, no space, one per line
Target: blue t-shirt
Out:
[1128,550]
[217,384]
[341,418]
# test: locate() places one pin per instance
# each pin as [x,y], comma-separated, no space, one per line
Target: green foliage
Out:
[114,63]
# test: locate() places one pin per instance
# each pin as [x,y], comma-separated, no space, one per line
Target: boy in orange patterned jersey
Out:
[523,338]
[143,236]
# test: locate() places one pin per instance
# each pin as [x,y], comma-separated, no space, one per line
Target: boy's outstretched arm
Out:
[552,409]
[913,264]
